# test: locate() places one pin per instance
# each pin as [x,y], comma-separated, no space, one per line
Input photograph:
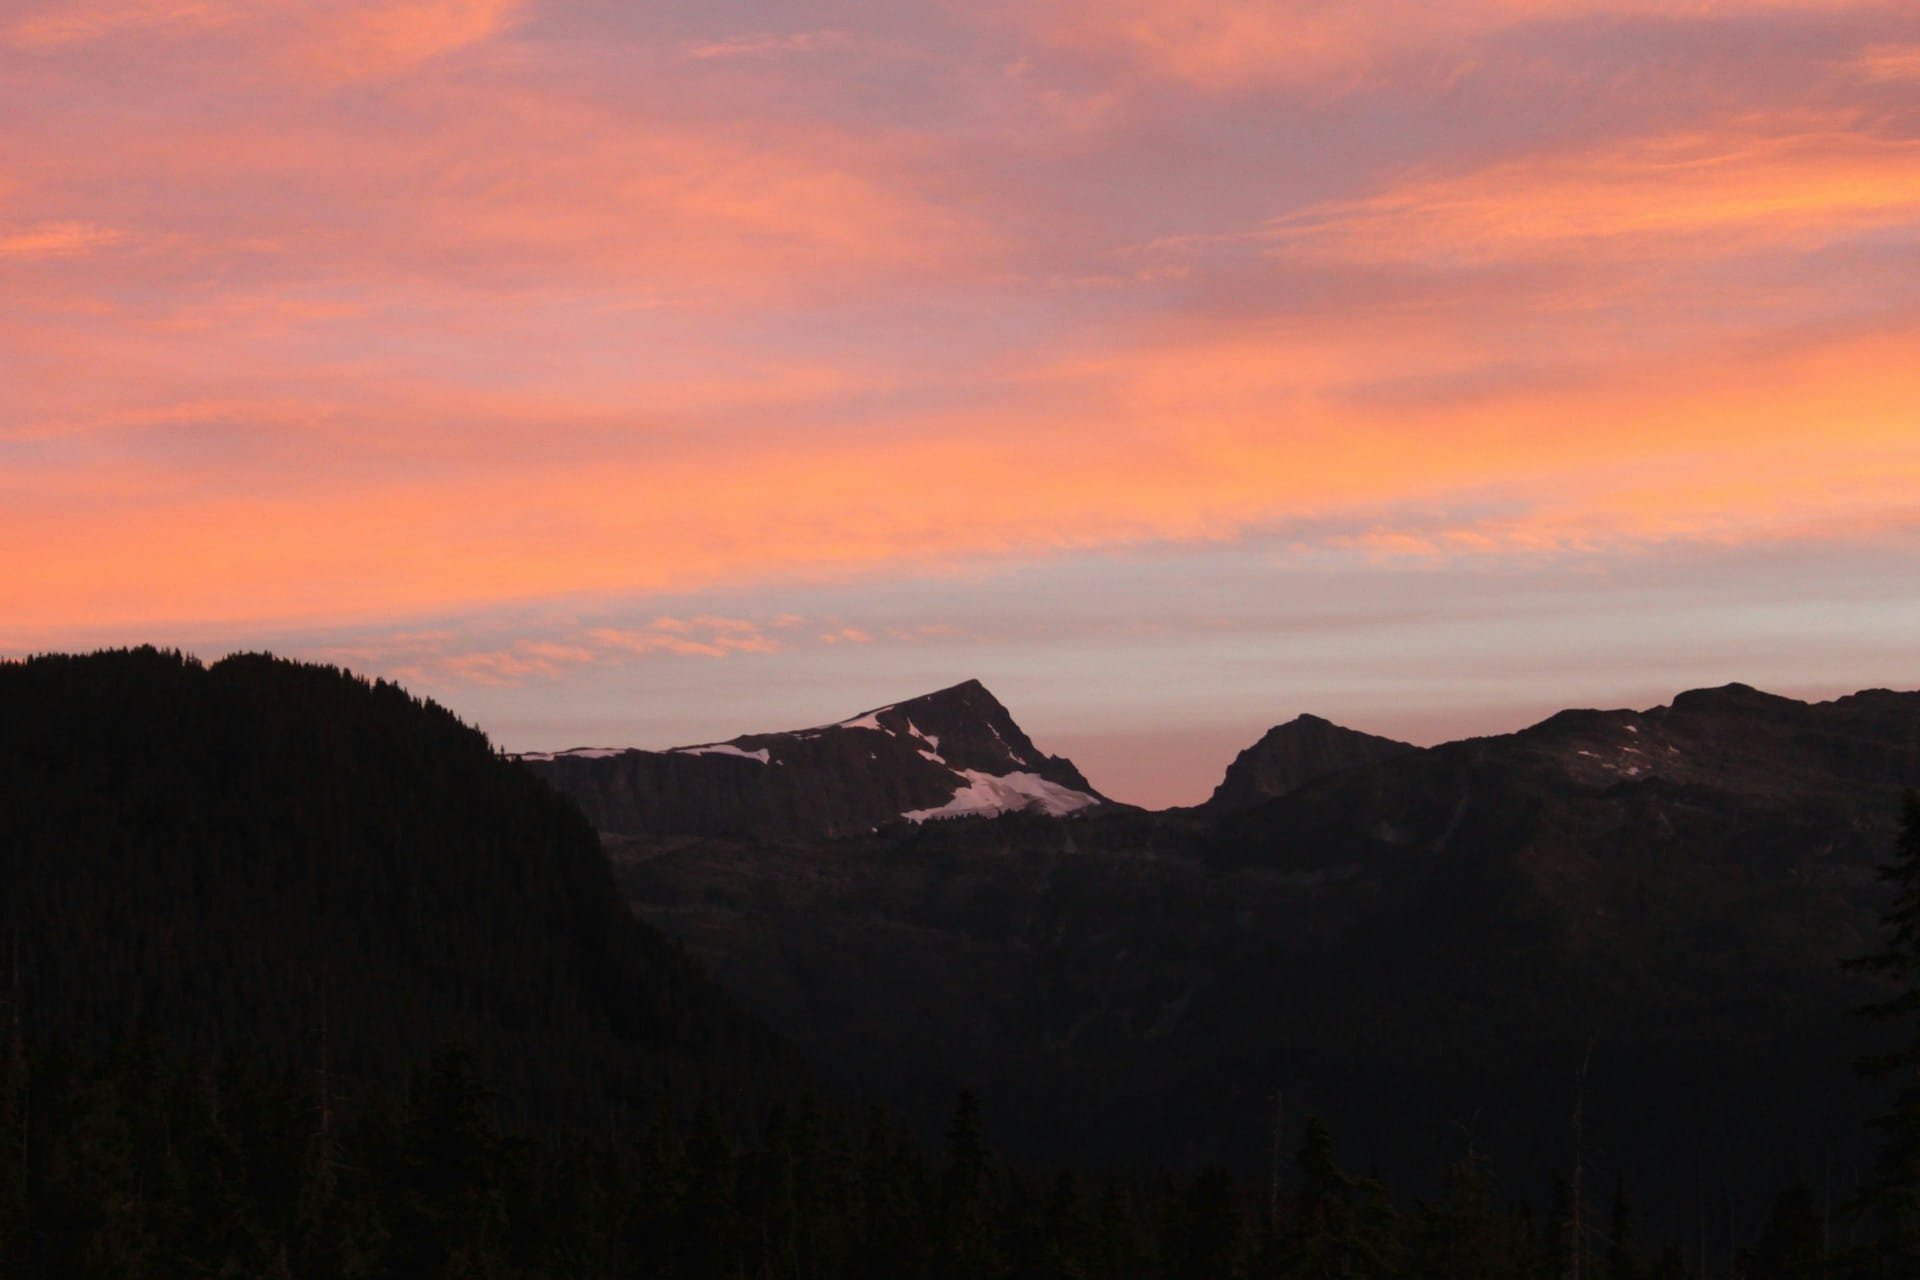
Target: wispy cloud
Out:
[1889,62]
[56,240]
[345,40]
[1342,44]
[765,45]
[382,37]
[705,637]
[1730,189]
[46,27]
[517,652]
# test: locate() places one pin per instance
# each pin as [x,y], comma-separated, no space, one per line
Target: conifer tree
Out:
[1344,1226]
[1891,1196]
[969,1229]
[1790,1246]
[1623,1256]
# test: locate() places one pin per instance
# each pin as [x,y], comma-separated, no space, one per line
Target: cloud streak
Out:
[1732,189]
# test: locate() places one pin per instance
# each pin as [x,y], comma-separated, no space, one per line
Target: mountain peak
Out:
[954,752]
[1735,697]
[1293,754]
[967,687]
[965,727]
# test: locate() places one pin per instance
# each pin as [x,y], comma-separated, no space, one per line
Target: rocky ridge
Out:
[949,754]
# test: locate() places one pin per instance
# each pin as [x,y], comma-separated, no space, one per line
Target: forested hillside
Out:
[293,860]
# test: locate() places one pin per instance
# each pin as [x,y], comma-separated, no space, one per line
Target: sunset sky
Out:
[630,373]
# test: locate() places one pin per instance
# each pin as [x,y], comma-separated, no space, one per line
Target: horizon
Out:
[1196,782]
[1104,757]
[650,374]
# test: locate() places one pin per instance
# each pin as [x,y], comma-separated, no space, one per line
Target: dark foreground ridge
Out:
[290,859]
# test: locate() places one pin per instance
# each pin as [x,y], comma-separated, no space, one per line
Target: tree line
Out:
[144,1162]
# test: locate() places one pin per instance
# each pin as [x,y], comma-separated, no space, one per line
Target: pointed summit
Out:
[969,728]
[1294,754]
[955,752]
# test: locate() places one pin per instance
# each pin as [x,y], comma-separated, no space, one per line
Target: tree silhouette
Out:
[1891,1196]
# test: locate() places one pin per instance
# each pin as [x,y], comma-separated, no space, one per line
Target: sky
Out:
[644,373]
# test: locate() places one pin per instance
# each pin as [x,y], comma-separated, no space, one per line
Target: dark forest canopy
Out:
[290,858]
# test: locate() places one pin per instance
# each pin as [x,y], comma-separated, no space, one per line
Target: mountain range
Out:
[1423,945]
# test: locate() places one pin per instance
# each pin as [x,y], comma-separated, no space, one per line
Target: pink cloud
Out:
[1889,62]
[382,37]
[46,26]
[56,240]
[707,636]
[1750,183]
[768,46]
[343,40]
[1342,44]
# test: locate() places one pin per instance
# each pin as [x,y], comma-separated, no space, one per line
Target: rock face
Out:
[954,753]
[1294,754]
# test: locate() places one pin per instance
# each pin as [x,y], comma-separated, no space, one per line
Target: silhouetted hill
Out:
[953,753]
[1293,754]
[278,857]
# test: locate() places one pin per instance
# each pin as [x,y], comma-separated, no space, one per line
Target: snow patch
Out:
[871,720]
[985,795]
[933,743]
[578,753]
[1012,755]
[763,755]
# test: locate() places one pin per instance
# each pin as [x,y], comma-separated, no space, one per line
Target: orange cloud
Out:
[381,37]
[512,188]
[1731,446]
[56,240]
[1234,44]
[1732,189]
[443,657]
[767,46]
[343,39]
[1889,62]
[77,22]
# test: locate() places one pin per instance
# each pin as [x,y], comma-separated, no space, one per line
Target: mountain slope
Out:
[953,753]
[282,857]
[1421,949]
[1294,754]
